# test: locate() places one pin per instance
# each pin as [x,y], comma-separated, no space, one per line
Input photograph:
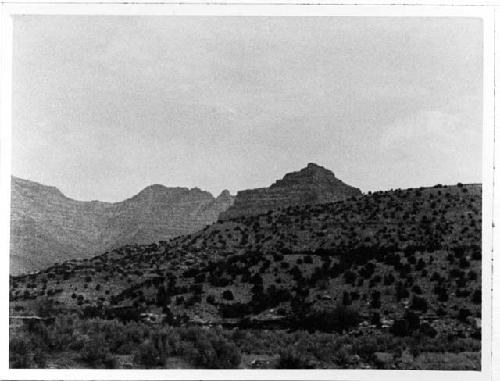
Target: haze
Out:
[104,106]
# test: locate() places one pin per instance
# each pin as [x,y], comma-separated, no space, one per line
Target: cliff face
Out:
[311,185]
[48,227]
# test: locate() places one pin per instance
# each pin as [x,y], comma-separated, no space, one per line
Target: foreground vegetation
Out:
[70,341]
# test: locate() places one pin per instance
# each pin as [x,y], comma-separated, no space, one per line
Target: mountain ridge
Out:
[48,227]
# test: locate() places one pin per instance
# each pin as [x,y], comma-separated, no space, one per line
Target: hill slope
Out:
[383,254]
[48,227]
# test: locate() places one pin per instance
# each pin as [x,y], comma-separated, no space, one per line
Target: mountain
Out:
[311,185]
[48,227]
[383,253]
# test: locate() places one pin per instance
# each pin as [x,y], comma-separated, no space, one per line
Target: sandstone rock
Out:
[311,185]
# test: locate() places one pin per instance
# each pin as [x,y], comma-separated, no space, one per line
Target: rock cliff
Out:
[311,185]
[48,227]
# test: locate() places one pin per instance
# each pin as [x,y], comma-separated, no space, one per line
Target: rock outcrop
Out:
[48,227]
[311,185]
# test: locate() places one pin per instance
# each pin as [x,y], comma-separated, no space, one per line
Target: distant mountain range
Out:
[48,227]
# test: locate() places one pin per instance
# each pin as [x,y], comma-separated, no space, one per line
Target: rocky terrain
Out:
[311,185]
[48,227]
[389,279]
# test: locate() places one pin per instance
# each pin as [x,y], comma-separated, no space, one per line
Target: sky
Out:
[104,106]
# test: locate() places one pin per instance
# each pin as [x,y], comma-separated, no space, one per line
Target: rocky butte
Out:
[48,227]
[313,184]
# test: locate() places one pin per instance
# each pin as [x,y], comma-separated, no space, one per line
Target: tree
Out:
[227,295]
[162,297]
[419,304]
[375,299]
[476,297]
[346,299]
[349,277]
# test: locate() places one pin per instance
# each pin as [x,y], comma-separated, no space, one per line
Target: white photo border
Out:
[32,7]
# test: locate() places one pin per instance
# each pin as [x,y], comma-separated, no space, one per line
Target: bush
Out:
[19,353]
[227,295]
[463,314]
[337,319]
[476,297]
[96,352]
[419,304]
[400,328]
[209,349]
[44,307]
[147,355]
[290,359]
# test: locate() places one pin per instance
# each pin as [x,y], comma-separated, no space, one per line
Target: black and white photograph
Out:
[249,192]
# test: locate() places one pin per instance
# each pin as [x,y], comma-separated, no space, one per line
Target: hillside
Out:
[383,254]
[311,185]
[48,227]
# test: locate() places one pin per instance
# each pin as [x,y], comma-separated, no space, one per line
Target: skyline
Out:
[104,106]
[204,190]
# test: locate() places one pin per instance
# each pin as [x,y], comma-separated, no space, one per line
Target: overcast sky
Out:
[104,106]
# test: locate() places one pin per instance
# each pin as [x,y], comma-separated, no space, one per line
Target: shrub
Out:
[227,354]
[96,352]
[290,359]
[419,304]
[400,328]
[337,319]
[463,314]
[19,353]
[147,355]
[227,295]
[349,277]
[476,297]
[209,349]
[375,299]
[44,307]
